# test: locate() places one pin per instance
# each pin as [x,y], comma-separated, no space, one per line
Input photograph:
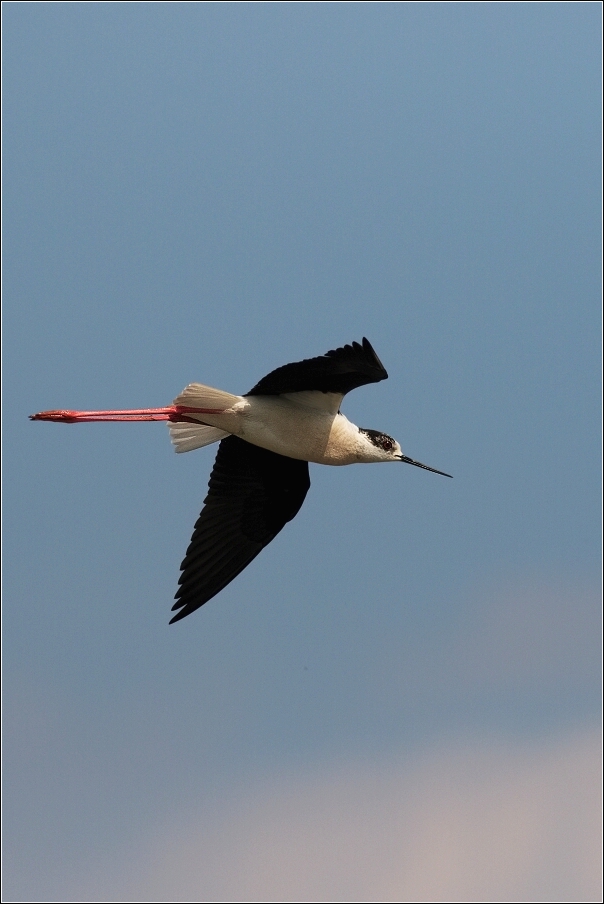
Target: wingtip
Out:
[369,349]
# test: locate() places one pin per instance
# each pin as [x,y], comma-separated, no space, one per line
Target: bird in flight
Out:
[267,438]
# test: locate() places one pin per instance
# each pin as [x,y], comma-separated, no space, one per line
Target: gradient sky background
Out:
[399,699]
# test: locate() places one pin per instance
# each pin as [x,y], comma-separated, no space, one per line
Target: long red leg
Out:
[171,413]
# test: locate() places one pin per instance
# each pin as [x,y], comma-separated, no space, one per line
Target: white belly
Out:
[291,429]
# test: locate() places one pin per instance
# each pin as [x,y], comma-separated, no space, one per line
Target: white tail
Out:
[196,395]
[186,437]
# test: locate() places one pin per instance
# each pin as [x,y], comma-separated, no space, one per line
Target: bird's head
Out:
[377,446]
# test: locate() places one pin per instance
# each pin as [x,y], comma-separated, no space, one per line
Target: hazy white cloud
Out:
[476,819]
[489,821]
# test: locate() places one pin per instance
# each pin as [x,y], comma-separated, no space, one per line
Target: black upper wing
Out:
[339,371]
[252,494]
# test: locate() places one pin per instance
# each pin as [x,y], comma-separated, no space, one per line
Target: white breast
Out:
[305,426]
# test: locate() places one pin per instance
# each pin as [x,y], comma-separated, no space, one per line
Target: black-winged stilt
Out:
[267,437]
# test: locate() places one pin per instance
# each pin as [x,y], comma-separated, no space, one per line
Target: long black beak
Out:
[418,464]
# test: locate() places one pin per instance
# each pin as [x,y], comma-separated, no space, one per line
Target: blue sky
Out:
[208,191]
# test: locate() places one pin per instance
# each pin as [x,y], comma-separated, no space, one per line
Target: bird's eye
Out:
[386,445]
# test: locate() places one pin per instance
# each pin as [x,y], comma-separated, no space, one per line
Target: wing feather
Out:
[337,371]
[252,494]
